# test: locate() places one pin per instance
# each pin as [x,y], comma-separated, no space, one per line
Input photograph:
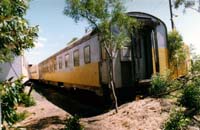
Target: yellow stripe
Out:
[165,66]
[163,60]
[34,76]
[87,75]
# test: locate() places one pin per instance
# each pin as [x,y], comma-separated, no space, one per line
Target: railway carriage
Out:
[83,63]
[33,72]
[14,69]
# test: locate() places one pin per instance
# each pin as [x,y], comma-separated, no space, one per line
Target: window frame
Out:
[84,53]
[60,62]
[66,60]
[74,58]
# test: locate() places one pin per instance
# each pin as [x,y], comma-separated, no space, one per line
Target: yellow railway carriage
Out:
[33,72]
[83,63]
[77,65]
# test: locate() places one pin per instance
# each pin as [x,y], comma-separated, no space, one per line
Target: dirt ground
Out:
[145,114]
[43,116]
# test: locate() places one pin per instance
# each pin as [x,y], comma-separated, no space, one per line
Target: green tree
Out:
[192,4]
[195,68]
[195,60]
[15,32]
[112,25]
[177,53]
[72,40]
[15,36]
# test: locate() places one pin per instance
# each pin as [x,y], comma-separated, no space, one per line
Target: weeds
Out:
[159,84]
[11,94]
[191,96]
[177,121]
[21,116]
[27,100]
[73,123]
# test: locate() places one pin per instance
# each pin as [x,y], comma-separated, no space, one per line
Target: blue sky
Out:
[56,29]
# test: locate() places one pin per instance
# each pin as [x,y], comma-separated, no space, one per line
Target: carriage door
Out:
[126,66]
[142,54]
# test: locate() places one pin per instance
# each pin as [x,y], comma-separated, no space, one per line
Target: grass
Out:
[27,100]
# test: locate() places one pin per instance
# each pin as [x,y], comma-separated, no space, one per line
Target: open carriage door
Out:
[126,66]
[142,54]
[145,50]
[136,59]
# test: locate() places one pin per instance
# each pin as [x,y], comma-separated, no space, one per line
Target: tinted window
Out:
[87,54]
[60,62]
[66,60]
[76,58]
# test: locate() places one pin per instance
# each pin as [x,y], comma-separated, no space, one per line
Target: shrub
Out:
[11,94]
[20,116]
[159,84]
[177,121]
[73,123]
[27,100]
[177,53]
[195,68]
[191,95]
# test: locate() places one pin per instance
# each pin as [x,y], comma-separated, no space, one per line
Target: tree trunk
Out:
[112,83]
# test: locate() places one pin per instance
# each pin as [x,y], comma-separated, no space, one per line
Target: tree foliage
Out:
[192,4]
[191,92]
[15,36]
[195,63]
[176,121]
[191,95]
[177,53]
[108,19]
[159,84]
[15,32]
[10,96]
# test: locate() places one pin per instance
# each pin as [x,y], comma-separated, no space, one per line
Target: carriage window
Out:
[54,64]
[60,62]
[87,54]
[52,67]
[66,60]
[126,52]
[76,58]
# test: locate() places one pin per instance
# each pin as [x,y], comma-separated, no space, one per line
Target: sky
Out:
[57,29]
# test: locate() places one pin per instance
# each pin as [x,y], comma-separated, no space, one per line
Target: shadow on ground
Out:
[78,102]
[75,102]
[43,123]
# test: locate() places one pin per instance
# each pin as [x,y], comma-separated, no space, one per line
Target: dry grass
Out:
[146,114]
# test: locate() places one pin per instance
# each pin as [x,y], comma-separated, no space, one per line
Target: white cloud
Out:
[196,48]
[40,42]
[193,39]
[40,30]
[42,39]
[34,53]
